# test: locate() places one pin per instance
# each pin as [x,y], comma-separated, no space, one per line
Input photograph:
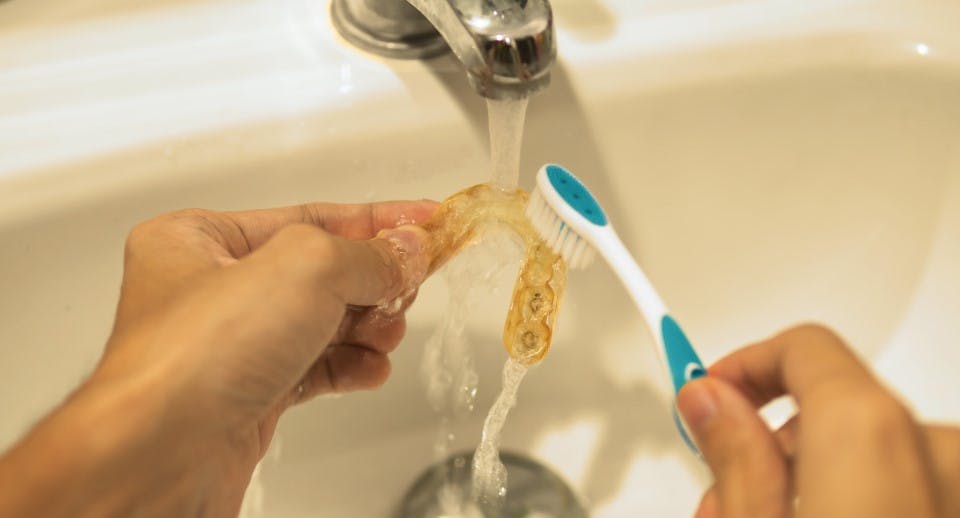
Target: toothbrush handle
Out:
[634,280]
[677,354]
[683,361]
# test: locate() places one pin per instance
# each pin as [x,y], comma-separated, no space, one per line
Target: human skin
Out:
[225,320]
[853,450]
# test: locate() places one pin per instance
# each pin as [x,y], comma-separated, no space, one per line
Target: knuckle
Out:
[316,214]
[391,276]
[146,232]
[884,415]
[814,332]
[188,215]
[811,340]
[139,235]
[865,415]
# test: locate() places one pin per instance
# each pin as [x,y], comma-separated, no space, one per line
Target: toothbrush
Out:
[574,225]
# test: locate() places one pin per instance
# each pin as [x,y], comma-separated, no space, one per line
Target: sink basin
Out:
[767,162]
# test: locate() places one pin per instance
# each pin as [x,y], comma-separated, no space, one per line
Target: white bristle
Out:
[551,227]
[556,233]
[536,205]
[559,237]
[541,215]
[575,256]
[578,251]
[571,241]
[544,212]
[562,240]
[588,257]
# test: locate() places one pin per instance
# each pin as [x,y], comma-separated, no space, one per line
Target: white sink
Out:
[767,161]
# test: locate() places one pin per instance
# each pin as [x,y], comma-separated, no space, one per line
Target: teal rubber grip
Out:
[682,360]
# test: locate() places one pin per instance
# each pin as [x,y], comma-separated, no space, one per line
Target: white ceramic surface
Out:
[768,161]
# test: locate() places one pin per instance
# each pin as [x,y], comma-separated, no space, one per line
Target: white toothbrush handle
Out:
[639,287]
[677,355]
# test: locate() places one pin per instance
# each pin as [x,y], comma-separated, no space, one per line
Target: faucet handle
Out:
[390,28]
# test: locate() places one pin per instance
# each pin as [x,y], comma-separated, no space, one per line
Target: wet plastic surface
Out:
[463,219]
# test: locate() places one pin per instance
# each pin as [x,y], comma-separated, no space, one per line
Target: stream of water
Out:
[448,365]
[489,477]
[489,474]
[506,120]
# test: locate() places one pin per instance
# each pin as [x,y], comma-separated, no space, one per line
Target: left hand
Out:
[226,319]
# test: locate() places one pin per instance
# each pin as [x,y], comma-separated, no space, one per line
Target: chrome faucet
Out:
[506,46]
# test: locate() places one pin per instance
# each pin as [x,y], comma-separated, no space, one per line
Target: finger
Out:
[749,469]
[362,273]
[944,444]
[855,433]
[344,368]
[787,436]
[350,318]
[253,228]
[382,334]
[708,504]
[381,328]
[801,361]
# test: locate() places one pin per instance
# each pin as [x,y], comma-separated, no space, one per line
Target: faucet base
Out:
[410,46]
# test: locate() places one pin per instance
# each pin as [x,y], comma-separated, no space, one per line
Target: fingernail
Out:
[409,238]
[697,404]
[410,241]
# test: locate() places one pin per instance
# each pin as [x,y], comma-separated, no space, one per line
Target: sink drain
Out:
[533,491]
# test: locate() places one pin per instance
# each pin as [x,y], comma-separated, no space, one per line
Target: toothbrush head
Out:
[566,215]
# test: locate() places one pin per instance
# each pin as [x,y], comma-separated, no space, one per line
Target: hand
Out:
[224,321]
[853,450]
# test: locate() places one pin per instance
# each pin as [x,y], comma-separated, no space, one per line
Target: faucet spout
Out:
[506,46]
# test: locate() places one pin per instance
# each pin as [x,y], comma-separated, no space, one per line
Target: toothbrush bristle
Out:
[559,236]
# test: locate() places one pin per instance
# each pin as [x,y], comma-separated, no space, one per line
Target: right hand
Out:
[853,450]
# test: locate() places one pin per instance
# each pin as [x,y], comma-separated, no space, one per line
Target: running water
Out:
[448,366]
[506,120]
[489,474]
[448,363]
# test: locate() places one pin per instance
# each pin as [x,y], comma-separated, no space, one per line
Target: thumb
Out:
[381,270]
[358,272]
[752,480]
